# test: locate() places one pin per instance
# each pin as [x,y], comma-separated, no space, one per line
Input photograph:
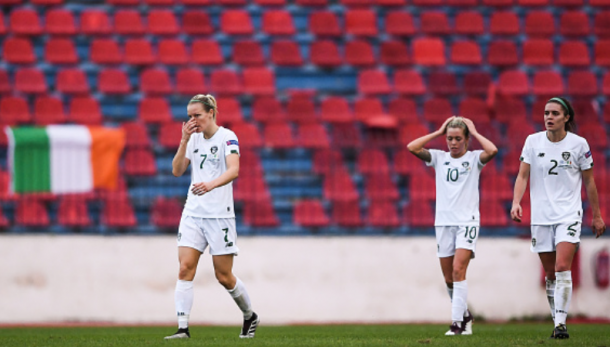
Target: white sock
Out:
[242,299]
[450,291]
[550,295]
[184,302]
[458,304]
[563,295]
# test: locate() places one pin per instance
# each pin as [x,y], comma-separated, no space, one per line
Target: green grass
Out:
[512,334]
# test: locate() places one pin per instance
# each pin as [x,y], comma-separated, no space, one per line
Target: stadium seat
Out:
[604,3]
[602,53]
[373,161]
[251,187]
[533,3]
[172,52]
[310,214]
[510,159]
[495,185]
[539,24]
[466,52]
[586,109]
[49,110]
[286,53]
[189,81]
[236,22]
[429,51]
[381,187]
[606,84]
[277,22]
[475,109]
[359,53]
[18,51]
[154,110]
[477,83]
[47,2]
[124,2]
[248,134]
[326,161]
[574,54]
[356,3]
[373,82]
[73,212]
[338,186]
[469,23]
[504,23]
[324,24]
[59,22]
[335,109]
[225,82]
[325,54]
[498,3]
[313,3]
[519,131]
[105,51]
[403,109]
[279,136]
[601,27]
[422,188]
[301,109]
[442,83]
[346,136]
[30,80]
[494,214]
[268,110]
[118,212]
[513,83]
[140,162]
[596,136]
[312,136]
[434,23]
[14,110]
[260,214]
[5,83]
[366,109]
[72,81]
[25,21]
[418,214]
[405,163]
[94,22]
[170,134]
[197,23]
[399,23]
[270,3]
[85,110]
[206,52]
[248,53]
[60,51]
[508,110]
[437,110]
[538,52]
[394,53]
[383,214]
[139,52]
[31,212]
[155,82]
[196,2]
[162,22]
[582,83]
[166,213]
[259,81]
[502,53]
[409,82]
[231,111]
[574,23]
[128,22]
[347,214]
[547,83]
[138,135]
[462,3]
[3,28]
[361,22]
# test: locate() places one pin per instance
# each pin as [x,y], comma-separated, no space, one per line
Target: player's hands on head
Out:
[202,188]
[598,226]
[516,213]
[443,127]
[470,124]
[188,128]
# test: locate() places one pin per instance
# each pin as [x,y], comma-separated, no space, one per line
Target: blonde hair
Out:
[208,101]
[458,122]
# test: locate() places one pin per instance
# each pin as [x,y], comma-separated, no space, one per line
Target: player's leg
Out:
[548,265]
[459,305]
[563,287]
[447,269]
[543,243]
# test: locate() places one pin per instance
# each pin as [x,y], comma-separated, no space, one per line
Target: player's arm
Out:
[417,146]
[520,184]
[181,162]
[226,177]
[489,149]
[598,224]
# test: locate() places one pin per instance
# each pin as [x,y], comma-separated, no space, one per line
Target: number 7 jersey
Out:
[556,177]
[457,188]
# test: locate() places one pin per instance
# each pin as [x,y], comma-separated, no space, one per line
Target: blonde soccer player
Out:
[556,162]
[208,218]
[457,207]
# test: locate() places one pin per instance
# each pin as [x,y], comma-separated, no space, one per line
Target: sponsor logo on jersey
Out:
[588,154]
[540,155]
[565,156]
[534,242]
[214,149]
[195,151]
[446,163]
[232,142]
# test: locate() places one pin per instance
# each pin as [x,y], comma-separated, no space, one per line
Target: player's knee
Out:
[459,273]
[562,266]
[225,279]
[187,271]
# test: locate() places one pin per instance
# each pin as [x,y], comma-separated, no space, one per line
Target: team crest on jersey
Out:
[214,149]
[533,242]
[565,156]
[465,164]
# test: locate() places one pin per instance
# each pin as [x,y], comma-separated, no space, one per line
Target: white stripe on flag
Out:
[70,159]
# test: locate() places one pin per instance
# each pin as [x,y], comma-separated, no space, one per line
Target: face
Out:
[554,117]
[456,141]
[199,116]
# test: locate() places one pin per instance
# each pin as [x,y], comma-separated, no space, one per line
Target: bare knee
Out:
[562,266]
[226,279]
[459,273]
[187,271]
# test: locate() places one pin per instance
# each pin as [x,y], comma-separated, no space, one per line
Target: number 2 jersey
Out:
[457,188]
[208,161]
[555,177]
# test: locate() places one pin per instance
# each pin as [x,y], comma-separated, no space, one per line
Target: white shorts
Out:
[546,237]
[218,233]
[449,238]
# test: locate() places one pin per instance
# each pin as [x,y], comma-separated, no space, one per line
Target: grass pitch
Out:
[520,334]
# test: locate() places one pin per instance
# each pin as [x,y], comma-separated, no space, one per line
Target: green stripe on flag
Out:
[31,160]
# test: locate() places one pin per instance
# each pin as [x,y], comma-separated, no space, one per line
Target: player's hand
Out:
[470,124]
[516,213]
[443,127]
[598,226]
[202,188]
[188,128]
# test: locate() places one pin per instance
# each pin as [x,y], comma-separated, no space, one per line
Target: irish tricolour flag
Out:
[64,159]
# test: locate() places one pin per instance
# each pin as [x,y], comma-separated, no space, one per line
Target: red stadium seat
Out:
[140,162]
[510,110]
[466,52]
[105,51]
[582,83]
[520,131]
[225,82]
[197,23]
[248,134]
[605,3]
[548,83]
[31,212]
[189,81]
[30,80]
[533,3]
[314,3]
[335,109]
[236,22]
[47,2]
[347,214]
[18,51]
[394,53]
[313,136]
[124,2]
[94,22]
[574,23]
[409,82]
[286,53]
[5,84]
[361,22]
[437,110]
[418,214]
[268,110]
[73,212]
[469,23]
[14,110]
[154,110]
[277,22]
[373,82]
[606,84]
[326,161]
[231,111]
[399,23]
[162,22]
[359,53]
[59,22]
[85,110]
[502,53]
[170,134]
[356,3]
[259,81]
[443,83]
[422,188]
[405,163]
[538,52]
[324,23]
[494,214]
[495,185]
[25,21]
[279,136]
[139,52]
[475,109]
[587,111]
[3,28]
[373,161]
[390,3]
[260,214]
[206,52]
[155,81]
[325,54]
[429,51]
[128,22]
[310,214]
[72,81]
[166,213]
[462,3]
[49,110]
[172,52]
[60,51]
[403,109]
[118,212]
[196,2]
[596,136]
[504,23]
[477,83]
[346,136]
[513,83]
[510,160]
[366,109]
[382,214]
[138,135]
[434,23]
[602,53]
[498,3]
[270,2]
[248,53]
[338,186]
[251,188]
[574,54]
[539,24]
[601,27]
[301,109]
[381,187]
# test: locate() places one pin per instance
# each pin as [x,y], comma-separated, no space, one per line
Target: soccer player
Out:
[208,218]
[556,161]
[457,207]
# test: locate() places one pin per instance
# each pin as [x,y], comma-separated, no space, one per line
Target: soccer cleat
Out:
[467,323]
[182,333]
[560,332]
[456,328]
[249,327]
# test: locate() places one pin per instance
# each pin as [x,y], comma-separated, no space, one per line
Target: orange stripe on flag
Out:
[106,149]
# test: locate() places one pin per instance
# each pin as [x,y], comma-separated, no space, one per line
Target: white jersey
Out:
[208,161]
[555,177]
[457,188]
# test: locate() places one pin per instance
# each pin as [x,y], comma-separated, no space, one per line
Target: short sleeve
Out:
[478,153]
[231,144]
[526,155]
[585,158]
[189,149]
[434,153]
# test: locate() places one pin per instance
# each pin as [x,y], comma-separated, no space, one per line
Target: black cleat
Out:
[560,332]
[456,328]
[467,323]
[180,334]
[249,327]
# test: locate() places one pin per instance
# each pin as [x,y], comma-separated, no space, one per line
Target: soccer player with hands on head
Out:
[208,218]
[457,217]
[556,162]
